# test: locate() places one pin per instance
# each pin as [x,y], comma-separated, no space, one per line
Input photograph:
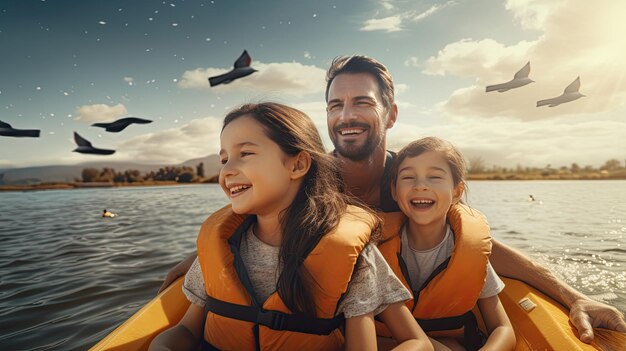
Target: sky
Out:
[67,64]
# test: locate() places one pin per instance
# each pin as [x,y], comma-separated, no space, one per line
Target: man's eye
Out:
[333,107]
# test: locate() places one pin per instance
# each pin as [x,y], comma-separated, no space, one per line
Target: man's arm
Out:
[585,313]
[178,270]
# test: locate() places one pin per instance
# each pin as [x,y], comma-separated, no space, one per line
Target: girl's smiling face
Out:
[256,174]
[425,189]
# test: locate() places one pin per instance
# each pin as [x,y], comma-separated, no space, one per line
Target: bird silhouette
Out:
[121,124]
[569,94]
[7,130]
[519,80]
[241,69]
[85,147]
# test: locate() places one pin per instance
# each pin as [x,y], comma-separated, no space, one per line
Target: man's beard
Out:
[358,153]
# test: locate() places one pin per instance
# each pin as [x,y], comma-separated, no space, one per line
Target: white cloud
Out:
[431,11]
[6,164]
[285,78]
[412,62]
[387,24]
[534,14]
[403,105]
[99,112]
[483,58]
[401,88]
[581,39]
[387,4]
[129,80]
[394,22]
[197,138]
[507,141]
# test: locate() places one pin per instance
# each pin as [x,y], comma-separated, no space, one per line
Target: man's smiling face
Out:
[356,116]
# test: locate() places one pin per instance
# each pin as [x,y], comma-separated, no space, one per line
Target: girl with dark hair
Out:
[449,273]
[290,261]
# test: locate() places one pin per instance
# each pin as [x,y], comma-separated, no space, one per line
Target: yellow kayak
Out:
[539,322]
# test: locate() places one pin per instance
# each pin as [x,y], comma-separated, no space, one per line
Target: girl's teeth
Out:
[238,188]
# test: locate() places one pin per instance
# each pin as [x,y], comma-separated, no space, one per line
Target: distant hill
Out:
[67,173]
[211,164]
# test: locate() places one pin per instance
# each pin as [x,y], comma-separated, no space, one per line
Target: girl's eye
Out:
[244,154]
[407,177]
[435,177]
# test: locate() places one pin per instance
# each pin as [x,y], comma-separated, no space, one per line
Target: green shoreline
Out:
[64,186]
[602,175]
[213,180]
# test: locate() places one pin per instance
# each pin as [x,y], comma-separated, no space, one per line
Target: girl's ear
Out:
[394,195]
[457,192]
[301,163]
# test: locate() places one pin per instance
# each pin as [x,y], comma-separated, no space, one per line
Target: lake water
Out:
[68,277]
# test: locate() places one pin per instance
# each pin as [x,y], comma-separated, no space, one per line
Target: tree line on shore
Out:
[477,169]
[180,174]
[611,169]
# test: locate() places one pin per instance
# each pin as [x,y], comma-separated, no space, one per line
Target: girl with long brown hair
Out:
[289,262]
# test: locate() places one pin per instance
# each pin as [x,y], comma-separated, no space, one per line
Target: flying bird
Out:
[569,94]
[121,124]
[85,147]
[241,69]
[7,130]
[519,80]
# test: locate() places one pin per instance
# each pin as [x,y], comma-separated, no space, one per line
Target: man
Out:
[360,110]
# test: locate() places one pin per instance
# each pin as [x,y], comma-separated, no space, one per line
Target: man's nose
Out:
[347,113]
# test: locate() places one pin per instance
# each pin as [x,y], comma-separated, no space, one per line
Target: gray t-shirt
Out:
[421,263]
[373,287]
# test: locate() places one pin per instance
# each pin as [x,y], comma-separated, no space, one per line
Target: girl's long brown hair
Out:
[319,203]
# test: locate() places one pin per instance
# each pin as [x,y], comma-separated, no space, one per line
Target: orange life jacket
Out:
[446,299]
[236,321]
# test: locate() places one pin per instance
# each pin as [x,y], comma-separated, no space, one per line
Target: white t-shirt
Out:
[372,288]
[421,263]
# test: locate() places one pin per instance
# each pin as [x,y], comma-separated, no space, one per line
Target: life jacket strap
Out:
[274,319]
[205,346]
[473,337]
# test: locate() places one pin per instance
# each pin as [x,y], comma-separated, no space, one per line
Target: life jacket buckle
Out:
[271,319]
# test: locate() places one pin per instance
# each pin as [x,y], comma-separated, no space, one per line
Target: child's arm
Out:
[183,336]
[405,330]
[179,270]
[360,333]
[501,335]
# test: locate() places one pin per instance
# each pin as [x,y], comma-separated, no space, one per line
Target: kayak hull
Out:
[539,322]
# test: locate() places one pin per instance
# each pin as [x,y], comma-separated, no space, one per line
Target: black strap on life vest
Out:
[473,337]
[274,319]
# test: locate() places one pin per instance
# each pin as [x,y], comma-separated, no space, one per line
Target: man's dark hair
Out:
[363,64]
